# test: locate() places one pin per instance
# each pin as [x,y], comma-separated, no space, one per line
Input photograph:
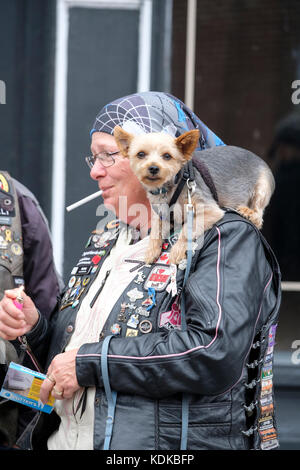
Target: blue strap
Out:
[111,396]
[184,421]
[188,263]
[185,397]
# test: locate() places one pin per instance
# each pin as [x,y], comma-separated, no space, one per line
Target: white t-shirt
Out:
[75,433]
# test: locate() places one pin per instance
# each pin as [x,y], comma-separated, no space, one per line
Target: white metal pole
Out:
[59,137]
[145,38]
[167,55]
[191,32]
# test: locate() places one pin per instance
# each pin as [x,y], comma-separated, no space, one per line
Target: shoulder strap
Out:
[206,176]
[111,395]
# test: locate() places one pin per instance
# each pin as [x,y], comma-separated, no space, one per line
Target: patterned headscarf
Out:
[153,112]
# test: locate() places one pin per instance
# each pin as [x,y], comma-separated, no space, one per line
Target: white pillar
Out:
[191,33]
[59,137]
[145,38]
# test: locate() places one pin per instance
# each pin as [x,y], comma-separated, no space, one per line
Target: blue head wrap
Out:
[153,112]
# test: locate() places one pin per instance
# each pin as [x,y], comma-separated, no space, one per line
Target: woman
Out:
[127,370]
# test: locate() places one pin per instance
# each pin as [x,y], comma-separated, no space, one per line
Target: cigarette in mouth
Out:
[84,200]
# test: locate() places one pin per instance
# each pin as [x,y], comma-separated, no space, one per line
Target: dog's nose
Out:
[153,170]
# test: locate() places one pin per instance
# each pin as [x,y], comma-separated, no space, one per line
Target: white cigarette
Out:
[84,200]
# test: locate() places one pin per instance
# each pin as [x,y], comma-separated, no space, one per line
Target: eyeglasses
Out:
[105,158]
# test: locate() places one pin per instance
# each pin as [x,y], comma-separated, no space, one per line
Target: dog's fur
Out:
[243,182]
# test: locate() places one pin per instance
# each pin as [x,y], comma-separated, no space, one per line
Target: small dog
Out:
[242,180]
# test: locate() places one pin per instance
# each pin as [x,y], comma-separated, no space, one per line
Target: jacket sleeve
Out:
[38,339]
[224,297]
[42,282]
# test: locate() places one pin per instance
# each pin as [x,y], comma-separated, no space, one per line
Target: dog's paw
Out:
[251,215]
[178,252]
[153,252]
[149,259]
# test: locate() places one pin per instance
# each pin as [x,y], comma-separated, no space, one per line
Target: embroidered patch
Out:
[96,259]
[159,277]
[164,258]
[171,319]
[85,269]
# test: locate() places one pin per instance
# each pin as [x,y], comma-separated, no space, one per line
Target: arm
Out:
[42,282]
[223,307]
[15,322]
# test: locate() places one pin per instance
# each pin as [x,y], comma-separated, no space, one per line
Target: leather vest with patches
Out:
[138,310]
[150,304]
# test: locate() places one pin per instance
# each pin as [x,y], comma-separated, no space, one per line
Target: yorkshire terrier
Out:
[242,181]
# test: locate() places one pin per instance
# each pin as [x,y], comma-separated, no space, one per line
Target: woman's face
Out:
[116,180]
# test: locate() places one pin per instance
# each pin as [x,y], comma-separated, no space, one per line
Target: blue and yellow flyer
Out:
[22,385]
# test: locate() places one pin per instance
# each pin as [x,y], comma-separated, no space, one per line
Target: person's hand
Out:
[13,321]
[61,378]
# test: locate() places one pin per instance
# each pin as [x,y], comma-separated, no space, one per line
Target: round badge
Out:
[72,281]
[145,326]
[16,249]
[8,204]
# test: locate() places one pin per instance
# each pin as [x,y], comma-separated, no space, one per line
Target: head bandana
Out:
[153,112]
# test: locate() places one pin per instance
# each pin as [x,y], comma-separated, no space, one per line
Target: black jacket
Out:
[223,360]
[42,284]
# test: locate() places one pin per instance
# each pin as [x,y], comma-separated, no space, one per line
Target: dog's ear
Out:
[123,140]
[187,142]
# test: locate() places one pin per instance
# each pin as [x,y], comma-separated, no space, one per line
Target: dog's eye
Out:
[141,155]
[167,156]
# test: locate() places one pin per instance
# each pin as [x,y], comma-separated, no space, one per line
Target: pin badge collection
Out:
[266,425]
[10,240]
[135,312]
